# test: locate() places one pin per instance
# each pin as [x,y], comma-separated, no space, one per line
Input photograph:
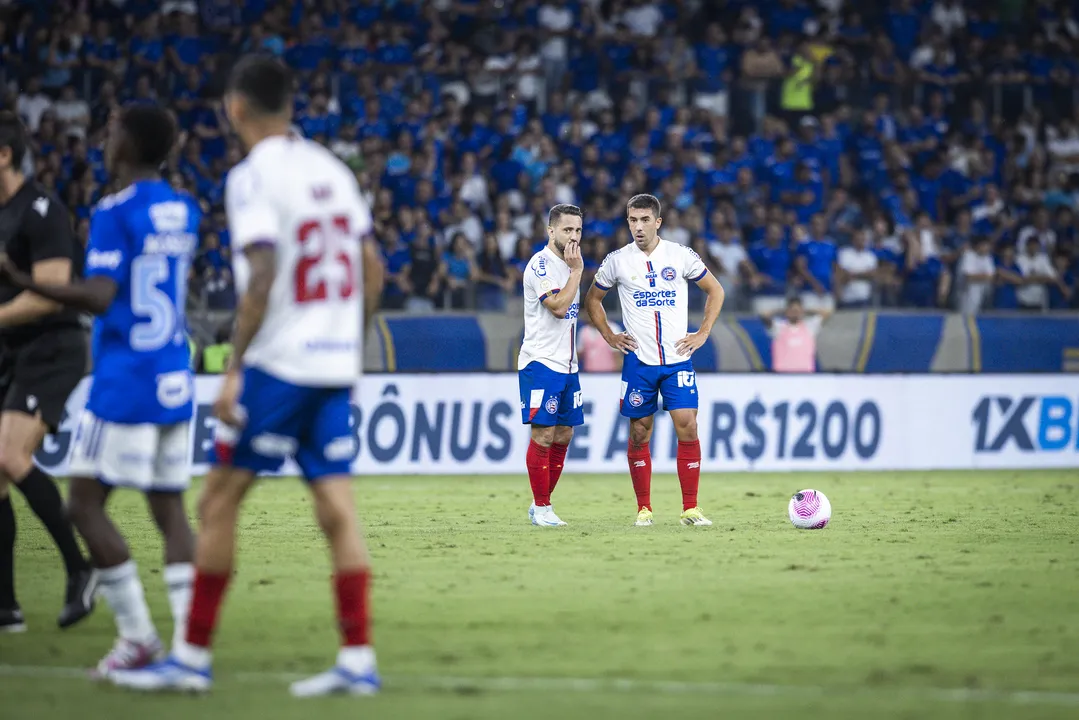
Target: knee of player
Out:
[334,519]
[543,435]
[215,506]
[79,508]
[169,514]
[686,429]
[15,463]
[563,435]
[639,433]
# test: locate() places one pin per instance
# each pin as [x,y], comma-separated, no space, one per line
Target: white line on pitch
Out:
[439,682]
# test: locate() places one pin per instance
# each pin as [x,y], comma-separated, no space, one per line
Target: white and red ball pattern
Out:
[809,510]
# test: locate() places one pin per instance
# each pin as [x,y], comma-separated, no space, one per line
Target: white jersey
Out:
[548,339]
[296,196]
[653,292]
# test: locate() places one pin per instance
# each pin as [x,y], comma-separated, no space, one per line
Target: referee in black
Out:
[43,356]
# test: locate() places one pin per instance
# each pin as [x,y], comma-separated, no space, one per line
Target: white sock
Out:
[179,578]
[357,659]
[122,589]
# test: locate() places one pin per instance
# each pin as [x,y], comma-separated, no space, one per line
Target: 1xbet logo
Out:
[1029,423]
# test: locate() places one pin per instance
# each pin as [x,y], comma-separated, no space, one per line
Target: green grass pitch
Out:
[931,595]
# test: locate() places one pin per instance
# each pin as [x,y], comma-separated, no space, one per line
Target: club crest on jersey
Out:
[635,399]
[668,273]
[551,405]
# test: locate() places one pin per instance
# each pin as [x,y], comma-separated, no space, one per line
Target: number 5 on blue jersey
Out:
[152,285]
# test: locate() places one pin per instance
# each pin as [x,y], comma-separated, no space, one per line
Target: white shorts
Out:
[151,458]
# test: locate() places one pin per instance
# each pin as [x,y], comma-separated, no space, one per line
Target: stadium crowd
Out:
[917,153]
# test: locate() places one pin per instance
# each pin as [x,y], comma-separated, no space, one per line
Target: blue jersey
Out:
[143,238]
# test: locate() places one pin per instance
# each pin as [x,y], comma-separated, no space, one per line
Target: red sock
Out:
[206,597]
[352,611]
[689,471]
[640,470]
[558,457]
[537,459]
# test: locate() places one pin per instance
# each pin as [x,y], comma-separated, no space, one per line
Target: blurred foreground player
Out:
[135,430]
[298,224]
[551,399]
[651,275]
[43,354]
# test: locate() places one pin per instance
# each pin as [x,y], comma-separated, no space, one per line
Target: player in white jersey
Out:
[652,277]
[298,225]
[547,364]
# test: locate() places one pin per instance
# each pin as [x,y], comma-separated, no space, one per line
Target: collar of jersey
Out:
[638,250]
[267,142]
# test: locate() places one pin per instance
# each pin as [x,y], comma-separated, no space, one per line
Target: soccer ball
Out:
[809,510]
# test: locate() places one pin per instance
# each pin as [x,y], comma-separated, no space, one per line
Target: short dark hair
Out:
[644,202]
[264,81]
[563,209]
[150,134]
[13,136]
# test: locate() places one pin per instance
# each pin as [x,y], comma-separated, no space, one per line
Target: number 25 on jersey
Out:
[324,269]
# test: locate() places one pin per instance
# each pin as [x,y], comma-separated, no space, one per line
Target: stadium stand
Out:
[929,148]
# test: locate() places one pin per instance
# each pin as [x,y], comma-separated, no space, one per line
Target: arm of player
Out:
[28,306]
[250,313]
[374,279]
[106,265]
[593,305]
[559,300]
[50,264]
[251,308]
[254,226]
[93,295]
[712,305]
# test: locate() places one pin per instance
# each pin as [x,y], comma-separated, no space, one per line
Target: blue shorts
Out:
[309,424]
[642,384]
[550,398]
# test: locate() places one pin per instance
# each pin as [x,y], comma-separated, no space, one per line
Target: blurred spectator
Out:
[593,352]
[791,142]
[1062,291]
[1037,272]
[794,337]
[856,272]
[421,274]
[459,271]
[495,281]
[974,280]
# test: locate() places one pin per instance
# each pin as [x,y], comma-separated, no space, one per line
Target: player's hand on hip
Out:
[690,343]
[573,255]
[227,406]
[623,342]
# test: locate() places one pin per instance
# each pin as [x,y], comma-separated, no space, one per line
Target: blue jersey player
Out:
[135,430]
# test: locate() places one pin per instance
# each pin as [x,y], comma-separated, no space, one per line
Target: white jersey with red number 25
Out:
[298,197]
